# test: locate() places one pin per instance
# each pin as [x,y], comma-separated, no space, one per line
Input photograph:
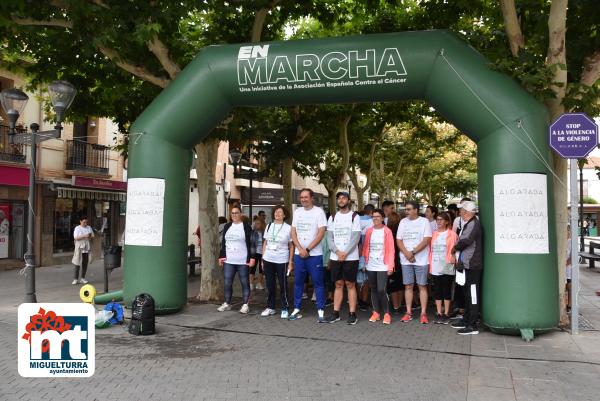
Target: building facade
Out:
[77,175]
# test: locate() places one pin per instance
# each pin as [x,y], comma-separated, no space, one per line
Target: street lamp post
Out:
[13,102]
[236,156]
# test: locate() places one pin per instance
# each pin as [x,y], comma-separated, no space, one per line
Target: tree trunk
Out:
[211,283]
[331,191]
[286,179]
[360,198]
[512,27]
[557,56]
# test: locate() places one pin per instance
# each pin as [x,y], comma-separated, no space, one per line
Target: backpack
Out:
[142,315]
[354,214]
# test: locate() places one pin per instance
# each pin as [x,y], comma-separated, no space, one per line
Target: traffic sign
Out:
[573,135]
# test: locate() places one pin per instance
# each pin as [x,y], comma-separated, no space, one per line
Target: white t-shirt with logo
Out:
[278,237]
[438,253]
[412,232]
[236,252]
[376,253]
[307,224]
[342,229]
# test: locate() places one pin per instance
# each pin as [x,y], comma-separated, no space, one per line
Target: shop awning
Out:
[76,193]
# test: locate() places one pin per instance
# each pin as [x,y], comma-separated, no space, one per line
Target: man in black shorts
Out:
[343,235]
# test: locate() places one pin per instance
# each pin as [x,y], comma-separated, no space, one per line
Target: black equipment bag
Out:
[142,315]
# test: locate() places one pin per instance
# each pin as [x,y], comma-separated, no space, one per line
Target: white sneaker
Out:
[268,312]
[224,307]
[314,297]
[284,314]
[259,286]
[245,309]
[295,315]
[75,282]
[83,281]
[252,287]
[304,295]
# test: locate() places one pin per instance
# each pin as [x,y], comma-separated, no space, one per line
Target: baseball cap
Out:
[469,206]
[342,193]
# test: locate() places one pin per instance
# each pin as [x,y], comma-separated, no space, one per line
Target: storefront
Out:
[14,182]
[101,201]
[264,199]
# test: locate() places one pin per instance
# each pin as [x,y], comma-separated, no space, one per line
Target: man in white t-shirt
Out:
[388,207]
[308,228]
[413,238]
[343,235]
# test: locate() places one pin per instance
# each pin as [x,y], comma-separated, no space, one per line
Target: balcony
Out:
[14,153]
[87,157]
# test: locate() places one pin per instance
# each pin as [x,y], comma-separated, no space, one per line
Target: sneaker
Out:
[363,306]
[424,319]
[406,318]
[314,297]
[459,324]
[456,314]
[465,331]
[252,287]
[268,312]
[74,282]
[352,319]
[224,307]
[321,316]
[260,287]
[437,319]
[396,311]
[284,314]
[375,317]
[304,295]
[245,309]
[334,317]
[387,318]
[328,302]
[445,319]
[295,315]
[83,281]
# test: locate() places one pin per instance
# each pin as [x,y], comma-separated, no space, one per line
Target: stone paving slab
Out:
[201,354]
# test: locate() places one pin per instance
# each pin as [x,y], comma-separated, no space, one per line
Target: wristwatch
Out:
[308,250]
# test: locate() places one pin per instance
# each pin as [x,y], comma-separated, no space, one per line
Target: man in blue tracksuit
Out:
[308,228]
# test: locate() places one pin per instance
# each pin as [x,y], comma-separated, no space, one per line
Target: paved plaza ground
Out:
[200,354]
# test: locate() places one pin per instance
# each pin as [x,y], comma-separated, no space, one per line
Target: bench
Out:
[591,256]
[193,260]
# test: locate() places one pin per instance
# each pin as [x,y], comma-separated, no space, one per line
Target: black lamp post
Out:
[236,157]
[13,102]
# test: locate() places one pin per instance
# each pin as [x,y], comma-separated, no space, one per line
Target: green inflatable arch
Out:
[520,290]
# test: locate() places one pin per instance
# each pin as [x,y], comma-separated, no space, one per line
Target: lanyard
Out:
[275,234]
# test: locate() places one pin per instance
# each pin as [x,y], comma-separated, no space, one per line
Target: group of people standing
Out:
[396,252]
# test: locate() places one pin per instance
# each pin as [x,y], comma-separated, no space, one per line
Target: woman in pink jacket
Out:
[378,251]
[441,266]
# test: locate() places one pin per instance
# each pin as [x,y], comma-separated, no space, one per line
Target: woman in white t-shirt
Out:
[82,234]
[441,265]
[431,214]
[278,256]
[237,256]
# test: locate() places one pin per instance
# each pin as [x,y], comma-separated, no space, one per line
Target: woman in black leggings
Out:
[441,265]
[379,253]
